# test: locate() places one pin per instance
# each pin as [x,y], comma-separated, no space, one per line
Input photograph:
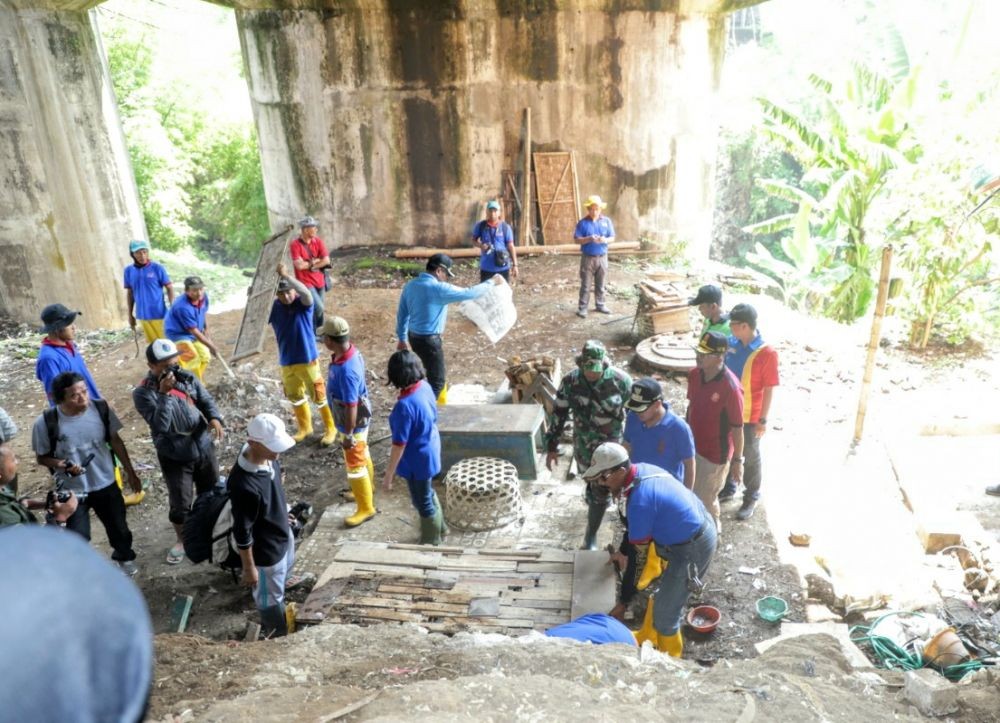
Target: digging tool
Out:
[225,365]
[135,338]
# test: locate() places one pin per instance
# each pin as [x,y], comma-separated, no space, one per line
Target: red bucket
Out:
[704,618]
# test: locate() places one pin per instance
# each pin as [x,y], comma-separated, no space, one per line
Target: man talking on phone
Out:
[184,421]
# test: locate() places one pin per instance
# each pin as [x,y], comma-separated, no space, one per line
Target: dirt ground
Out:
[813,407]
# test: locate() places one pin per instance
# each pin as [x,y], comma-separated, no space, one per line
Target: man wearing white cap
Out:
[260,519]
[593,232]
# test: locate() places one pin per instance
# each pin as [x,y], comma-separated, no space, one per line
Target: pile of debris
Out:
[662,308]
[534,379]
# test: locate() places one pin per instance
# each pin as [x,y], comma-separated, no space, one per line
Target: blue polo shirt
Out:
[661,509]
[413,423]
[293,328]
[423,305]
[737,354]
[184,315]
[54,359]
[597,628]
[498,237]
[587,226]
[146,283]
[666,444]
[346,387]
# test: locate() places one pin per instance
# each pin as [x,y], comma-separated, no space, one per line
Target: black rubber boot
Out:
[272,622]
[595,515]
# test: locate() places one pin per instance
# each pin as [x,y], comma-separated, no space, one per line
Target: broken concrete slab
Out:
[838,631]
[931,692]
[594,583]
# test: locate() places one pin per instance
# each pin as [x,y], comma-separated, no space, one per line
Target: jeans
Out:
[317,295]
[672,591]
[109,507]
[422,496]
[431,353]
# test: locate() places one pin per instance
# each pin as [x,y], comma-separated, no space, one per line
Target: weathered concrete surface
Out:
[68,204]
[391,121]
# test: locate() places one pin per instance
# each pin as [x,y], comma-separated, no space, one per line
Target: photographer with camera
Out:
[78,441]
[180,412]
[495,241]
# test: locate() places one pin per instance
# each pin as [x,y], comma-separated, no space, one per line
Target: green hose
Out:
[894,657]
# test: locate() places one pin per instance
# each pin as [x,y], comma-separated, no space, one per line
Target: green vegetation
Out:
[402,266]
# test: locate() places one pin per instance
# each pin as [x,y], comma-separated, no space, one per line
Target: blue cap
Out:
[493,204]
[138,245]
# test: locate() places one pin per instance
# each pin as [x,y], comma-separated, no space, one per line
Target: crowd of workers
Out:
[665,473]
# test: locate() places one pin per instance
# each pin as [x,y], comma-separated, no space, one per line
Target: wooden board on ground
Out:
[250,339]
[447,589]
[667,353]
[558,199]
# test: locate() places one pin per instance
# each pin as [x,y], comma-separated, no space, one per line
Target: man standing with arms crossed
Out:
[755,364]
[593,232]
[310,258]
[423,313]
[292,319]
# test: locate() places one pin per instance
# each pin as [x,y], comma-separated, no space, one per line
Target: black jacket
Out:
[178,422]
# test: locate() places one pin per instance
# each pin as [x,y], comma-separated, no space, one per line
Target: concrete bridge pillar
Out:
[68,204]
[391,120]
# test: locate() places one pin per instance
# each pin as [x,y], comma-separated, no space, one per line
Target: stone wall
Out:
[68,205]
[391,121]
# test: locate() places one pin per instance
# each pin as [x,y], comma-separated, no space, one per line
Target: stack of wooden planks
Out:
[662,309]
[445,589]
[534,380]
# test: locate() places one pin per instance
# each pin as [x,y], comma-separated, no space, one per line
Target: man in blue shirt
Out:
[495,240]
[58,354]
[663,512]
[145,281]
[292,320]
[593,232]
[423,312]
[347,391]
[187,326]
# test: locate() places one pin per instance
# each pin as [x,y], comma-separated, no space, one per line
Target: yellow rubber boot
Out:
[672,645]
[303,417]
[443,396]
[363,496]
[647,631]
[653,568]
[329,430]
[369,465]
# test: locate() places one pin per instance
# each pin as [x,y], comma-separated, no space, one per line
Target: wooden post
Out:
[876,335]
[527,238]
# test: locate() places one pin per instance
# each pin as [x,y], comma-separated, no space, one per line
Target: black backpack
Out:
[208,530]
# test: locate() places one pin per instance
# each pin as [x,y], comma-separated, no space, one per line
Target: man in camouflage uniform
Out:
[595,394]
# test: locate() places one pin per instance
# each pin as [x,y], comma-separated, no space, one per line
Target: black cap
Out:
[57,316]
[644,393]
[440,261]
[284,285]
[712,342]
[194,282]
[744,313]
[707,294]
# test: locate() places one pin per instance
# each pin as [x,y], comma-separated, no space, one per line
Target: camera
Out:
[55,497]
[179,374]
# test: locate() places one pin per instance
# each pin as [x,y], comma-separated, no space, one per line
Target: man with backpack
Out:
[78,441]
[260,519]
[180,412]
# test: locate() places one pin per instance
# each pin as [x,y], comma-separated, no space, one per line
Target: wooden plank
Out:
[439,580]
[562,604]
[423,548]
[367,553]
[379,614]
[510,554]
[317,604]
[475,564]
[484,607]
[397,570]
[552,568]
[421,593]
[594,583]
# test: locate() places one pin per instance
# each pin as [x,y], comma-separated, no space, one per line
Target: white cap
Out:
[268,430]
[161,350]
[608,456]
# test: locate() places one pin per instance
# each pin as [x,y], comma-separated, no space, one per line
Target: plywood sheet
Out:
[558,199]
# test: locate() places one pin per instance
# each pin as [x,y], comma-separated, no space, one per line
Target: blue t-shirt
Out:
[293,328]
[413,423]
[346,387]
[597,628]
[147,284]
[587,227]
[184,315]
[54,359]
[662,509]
[666,444]
[498,237]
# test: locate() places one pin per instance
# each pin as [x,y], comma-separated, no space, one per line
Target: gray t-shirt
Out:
[7,427]
[79,436]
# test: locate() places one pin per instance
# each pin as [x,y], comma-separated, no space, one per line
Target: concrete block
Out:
[931,693]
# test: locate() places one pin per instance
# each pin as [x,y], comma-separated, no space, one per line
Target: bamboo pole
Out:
[527,238]
[420,252]
[873,340]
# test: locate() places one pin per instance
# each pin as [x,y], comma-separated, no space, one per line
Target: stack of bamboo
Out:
[534,380]
[662,309]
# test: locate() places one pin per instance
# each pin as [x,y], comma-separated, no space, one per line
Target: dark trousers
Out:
[431,353]
[422,496]
[109,507]
[630,576]
[185,479]
[487,275]
[317,295]
[751,466]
